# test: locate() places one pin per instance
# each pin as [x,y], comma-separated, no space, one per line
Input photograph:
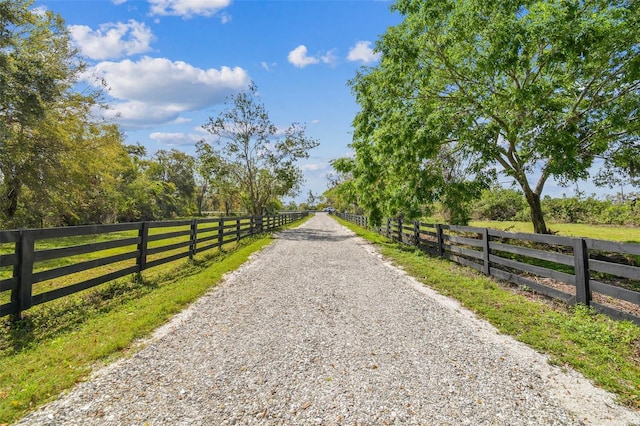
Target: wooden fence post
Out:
[440,240]
[220,232]
[581,259]
[193,238]
[237,230]
[23,271]
[388,227]
[400,229]
[143,233]
[251,226]
[416,233]
[485,252]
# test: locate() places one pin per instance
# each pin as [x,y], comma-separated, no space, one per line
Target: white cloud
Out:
[157,90]
[187,8]
[268,67]
[118,2]
[362,51]
[329,57]
[299,58]
[112,40]
[39,10]
[316,121]
[225,18]
[175,138]
[313,167]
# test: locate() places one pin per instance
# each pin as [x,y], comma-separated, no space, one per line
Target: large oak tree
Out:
[537,89]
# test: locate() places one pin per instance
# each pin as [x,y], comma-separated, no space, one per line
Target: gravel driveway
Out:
[317,329]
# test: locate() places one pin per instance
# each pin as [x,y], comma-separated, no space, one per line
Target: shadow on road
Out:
[310,234]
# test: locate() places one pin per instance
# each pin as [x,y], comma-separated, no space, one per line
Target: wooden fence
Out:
[125,249]
[602,274]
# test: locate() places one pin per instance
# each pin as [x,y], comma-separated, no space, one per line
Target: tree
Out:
[218,175]
[539,89]
[175,168]
[45,126]
[262,159]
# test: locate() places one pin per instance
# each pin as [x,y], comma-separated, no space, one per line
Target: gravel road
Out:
[317,329]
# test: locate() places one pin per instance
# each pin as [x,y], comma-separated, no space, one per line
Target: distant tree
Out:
[262,160]
[219,176]
[539,89]
[312,200]
[342,193]
[175,168]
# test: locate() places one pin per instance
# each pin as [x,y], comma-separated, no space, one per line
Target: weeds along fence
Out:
[598,273]
[41,265]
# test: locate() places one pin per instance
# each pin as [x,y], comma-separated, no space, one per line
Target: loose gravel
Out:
[317,329]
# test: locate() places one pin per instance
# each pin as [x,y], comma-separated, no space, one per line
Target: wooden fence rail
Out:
[597,273]
[127,248]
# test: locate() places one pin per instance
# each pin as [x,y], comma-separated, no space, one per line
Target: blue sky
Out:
[170,64]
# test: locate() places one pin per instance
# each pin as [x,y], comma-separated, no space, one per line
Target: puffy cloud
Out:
[188,8]
[362,51]
[157,90]
[299,58]
[112,40]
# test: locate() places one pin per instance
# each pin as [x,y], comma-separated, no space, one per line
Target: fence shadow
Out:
[310,234]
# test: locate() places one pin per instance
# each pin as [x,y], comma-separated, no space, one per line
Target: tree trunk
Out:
[535,207]
[9,203]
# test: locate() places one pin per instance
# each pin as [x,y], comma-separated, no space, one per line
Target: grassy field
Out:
[603,350]
[58,344]
[599,232]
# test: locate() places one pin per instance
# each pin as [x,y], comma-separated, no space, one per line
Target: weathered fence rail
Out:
[598,273]
[129,248]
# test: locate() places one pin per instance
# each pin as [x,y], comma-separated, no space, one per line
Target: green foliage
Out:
[260,163]
[500,204]
[538,89]
[44,124]
[342,194]
[592,210]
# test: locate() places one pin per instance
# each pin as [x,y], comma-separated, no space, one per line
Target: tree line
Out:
[60,164]
[469,90]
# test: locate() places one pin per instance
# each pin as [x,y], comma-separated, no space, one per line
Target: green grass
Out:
[58,344]
[603,350]
[599,232]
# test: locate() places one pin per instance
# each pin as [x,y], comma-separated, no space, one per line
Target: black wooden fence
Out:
[602,274]
[130,247]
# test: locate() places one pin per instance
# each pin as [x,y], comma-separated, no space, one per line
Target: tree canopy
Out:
[534,89]
[59,164]
[260,157]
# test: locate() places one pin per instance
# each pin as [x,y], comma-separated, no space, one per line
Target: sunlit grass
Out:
[59,343]
[599,232]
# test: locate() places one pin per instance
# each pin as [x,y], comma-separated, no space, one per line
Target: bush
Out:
[501,204]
